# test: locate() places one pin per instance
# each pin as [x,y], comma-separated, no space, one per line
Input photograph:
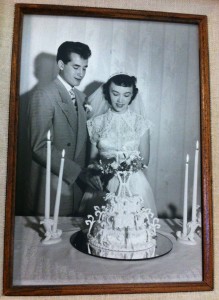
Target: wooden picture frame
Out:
[206,284]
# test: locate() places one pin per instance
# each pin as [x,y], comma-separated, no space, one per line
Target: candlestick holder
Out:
[191,227]
[51,236]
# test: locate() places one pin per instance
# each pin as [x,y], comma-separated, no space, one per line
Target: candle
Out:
[58,193]
[195,183]
[48,176]
[185,197]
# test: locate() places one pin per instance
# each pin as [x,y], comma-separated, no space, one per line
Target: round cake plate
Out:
[79,241]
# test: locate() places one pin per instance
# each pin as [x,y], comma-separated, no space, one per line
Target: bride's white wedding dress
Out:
[114,135]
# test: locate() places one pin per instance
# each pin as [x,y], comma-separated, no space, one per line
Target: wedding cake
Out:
[122,228]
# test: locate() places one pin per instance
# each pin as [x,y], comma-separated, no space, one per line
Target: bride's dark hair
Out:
[120,80]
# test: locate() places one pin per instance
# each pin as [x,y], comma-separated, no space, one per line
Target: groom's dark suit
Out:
[51,109]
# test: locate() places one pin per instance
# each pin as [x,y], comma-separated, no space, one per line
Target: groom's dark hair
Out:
[66,48]
[120,80]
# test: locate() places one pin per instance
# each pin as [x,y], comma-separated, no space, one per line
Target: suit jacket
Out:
[51,109]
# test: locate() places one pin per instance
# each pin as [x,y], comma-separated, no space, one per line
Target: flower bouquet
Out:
[107,168]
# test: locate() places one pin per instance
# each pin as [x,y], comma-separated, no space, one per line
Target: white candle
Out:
[195,183]
[185,197]
[58,193]
[48,176]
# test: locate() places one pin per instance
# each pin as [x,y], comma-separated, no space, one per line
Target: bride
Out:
[116,130]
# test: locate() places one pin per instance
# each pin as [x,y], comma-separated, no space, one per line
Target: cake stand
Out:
[80,242]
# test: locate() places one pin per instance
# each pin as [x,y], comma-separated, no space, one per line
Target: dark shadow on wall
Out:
[171,212]
[92,87]
[45,70]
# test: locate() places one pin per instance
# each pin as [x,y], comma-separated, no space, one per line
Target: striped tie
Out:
[73,98]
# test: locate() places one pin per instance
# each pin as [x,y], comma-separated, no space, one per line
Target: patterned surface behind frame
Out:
[207,7]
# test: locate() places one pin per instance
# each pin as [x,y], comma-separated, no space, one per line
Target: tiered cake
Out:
[123,228]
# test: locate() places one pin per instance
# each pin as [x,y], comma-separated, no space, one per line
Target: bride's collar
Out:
[119,114]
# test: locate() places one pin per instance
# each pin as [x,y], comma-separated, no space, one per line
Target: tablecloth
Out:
[59,264]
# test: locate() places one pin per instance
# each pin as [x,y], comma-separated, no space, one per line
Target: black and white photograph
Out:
[109,152]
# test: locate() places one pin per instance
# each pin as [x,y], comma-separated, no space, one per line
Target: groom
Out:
[59,108]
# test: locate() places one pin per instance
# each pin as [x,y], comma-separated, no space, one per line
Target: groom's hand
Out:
[95,182]
[91,180]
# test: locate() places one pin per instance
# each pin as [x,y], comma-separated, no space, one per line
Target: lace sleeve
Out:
[94,129]
[141,125]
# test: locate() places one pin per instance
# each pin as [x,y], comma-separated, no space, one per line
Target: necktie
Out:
[73,98]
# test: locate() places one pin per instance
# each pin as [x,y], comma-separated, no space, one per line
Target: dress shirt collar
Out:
[66,85]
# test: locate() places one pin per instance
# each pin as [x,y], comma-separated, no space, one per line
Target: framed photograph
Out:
[109,153]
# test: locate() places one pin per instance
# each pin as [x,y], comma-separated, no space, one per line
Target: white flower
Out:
[91,166]
[88,107]
[114,165]
[128,161]
[132,156]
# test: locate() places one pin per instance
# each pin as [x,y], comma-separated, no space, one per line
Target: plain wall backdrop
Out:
[204,7]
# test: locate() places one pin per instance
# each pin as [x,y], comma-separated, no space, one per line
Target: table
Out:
[59,264]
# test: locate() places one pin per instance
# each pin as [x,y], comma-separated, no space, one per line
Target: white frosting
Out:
[122,227]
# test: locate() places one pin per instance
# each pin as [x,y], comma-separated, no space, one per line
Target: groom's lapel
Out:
[66,105]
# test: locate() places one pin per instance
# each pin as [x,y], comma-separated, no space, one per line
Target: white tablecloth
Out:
[37,264]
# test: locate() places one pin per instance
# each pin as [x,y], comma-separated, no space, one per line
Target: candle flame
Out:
[48,135]
[197,145]
[187,158]
[63,153]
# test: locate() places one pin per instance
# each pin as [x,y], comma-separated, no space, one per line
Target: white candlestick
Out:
[195,183]
[185,208]
[58,193]
[48,177]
